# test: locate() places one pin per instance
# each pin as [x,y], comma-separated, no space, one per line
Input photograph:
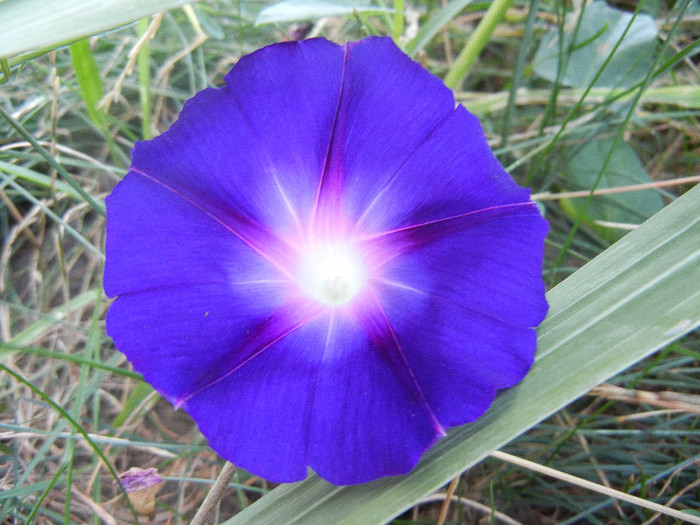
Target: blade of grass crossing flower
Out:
[636,297]
[31,24]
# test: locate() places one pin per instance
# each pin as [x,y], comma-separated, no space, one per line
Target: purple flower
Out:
[136,479]
[323,263]
[142,485]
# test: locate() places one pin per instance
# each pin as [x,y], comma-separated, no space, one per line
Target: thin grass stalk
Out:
[51,161]
[78,427]
[144,66]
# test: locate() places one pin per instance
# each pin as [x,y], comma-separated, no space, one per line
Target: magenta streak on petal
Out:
[390,180]
[384,246]
[329,190]
[384,337]
[277,327]
[269,247]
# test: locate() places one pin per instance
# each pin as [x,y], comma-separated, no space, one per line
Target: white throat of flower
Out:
[331,273]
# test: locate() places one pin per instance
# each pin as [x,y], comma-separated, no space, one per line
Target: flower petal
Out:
[258,416]
[460,358]
[313,149]
[257,145]
[193,339]
[388,106]
[446,175]
[369,418]
[489,261]
[462,302]
[327,396]
[157,238]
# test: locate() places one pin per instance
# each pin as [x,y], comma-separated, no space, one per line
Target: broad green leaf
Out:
[32,24]
[300,10]
[635,298]
[624,169]
[600,29]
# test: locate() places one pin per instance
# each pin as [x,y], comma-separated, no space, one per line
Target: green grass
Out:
[73,415]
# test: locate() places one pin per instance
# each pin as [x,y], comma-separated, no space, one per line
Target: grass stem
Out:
[476,43]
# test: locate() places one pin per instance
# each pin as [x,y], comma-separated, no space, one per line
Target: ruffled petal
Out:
[259,144]
[370,418]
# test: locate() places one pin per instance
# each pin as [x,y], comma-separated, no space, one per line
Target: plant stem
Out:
[145,82]
[476,43]
[397,27]
[215,494]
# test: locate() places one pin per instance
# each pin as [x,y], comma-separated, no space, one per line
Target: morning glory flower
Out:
[323,263]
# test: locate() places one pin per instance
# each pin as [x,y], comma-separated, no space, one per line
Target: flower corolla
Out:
[323,263]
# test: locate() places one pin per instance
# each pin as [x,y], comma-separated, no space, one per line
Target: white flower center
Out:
[332,273]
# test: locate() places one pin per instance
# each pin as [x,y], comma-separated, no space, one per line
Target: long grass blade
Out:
[633,299]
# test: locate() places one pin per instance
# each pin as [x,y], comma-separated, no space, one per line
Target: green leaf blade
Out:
[636,297]
[624,169]
[601,27]
[32,24]
[301,10]
[89,80]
